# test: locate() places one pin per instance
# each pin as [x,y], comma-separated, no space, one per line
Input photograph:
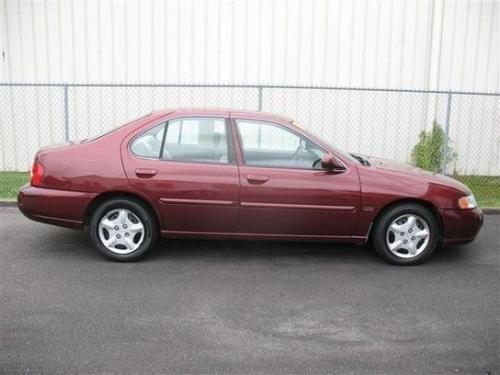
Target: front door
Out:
[284,191]
[187,167]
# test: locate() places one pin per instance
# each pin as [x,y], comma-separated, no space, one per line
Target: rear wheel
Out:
[406,234]
[123,230]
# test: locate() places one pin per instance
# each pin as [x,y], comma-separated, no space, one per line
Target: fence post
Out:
[66,116]
[444,154]
[260,99]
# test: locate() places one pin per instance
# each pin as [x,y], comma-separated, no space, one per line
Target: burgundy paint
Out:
[234,200]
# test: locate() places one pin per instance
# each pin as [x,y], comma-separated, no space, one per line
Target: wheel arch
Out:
[98,200]
[433,209]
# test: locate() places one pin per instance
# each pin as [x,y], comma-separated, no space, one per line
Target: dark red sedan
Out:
[241,175]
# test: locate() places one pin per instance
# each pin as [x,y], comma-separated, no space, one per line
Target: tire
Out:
[115,229]
[400,242]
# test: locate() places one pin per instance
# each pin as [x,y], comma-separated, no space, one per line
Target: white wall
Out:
[387,44]
[411,44]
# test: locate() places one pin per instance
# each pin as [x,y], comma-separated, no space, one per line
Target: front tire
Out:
[406,234]
[123,230]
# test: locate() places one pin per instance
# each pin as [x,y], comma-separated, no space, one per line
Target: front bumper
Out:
[461,226]
[58,207]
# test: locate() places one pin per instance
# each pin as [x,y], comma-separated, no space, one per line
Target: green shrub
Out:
[432,151]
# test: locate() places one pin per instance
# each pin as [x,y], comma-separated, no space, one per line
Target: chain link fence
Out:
[456,133]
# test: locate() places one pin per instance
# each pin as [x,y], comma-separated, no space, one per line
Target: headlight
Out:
[467,202]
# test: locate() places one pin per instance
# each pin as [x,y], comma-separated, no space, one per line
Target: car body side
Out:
[78,176]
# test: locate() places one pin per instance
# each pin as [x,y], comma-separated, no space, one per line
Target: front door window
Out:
[270,145]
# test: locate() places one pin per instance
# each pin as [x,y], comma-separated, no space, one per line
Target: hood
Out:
[408,169]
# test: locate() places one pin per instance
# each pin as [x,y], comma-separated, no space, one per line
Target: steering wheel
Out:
[315,163]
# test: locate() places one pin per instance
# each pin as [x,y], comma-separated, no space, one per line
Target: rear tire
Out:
[123,229]
[406,234]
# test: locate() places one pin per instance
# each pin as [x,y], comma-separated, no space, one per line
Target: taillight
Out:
[37,174]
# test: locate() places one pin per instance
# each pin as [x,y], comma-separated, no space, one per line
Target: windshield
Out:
[337,150]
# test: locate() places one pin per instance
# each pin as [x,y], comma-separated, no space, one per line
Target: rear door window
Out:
[197,139]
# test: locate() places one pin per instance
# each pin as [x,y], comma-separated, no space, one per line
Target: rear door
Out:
[186,166]
[284,191]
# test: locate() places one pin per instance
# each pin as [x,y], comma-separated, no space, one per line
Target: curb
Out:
[8,203]
[491,210]
[486,210]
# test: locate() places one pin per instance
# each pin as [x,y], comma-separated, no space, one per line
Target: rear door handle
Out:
[145,172]
[257,179]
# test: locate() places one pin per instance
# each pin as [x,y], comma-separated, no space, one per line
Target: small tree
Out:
[432,152]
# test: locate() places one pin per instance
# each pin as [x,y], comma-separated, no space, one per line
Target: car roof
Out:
[225,113]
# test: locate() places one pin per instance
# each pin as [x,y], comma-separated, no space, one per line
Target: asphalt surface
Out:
[244,307]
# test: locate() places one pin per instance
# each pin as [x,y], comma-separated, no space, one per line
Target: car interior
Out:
[271,145]
[205,140]
[199,140]
[300,158]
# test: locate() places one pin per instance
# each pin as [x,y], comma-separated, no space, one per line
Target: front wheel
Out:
[406,234]
[123,230]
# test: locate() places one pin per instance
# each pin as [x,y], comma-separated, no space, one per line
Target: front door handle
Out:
[145,172]
[257,179]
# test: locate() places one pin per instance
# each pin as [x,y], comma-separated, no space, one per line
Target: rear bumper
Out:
[58,207]
[461,226]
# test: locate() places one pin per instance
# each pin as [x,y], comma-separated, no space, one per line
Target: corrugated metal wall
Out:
[386,44]
[411,44]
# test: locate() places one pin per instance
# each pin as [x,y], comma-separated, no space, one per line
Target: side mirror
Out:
[331,163]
